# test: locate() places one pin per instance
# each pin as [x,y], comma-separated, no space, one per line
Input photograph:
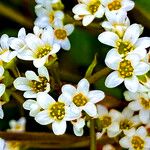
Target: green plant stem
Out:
[96,76]
[92,135]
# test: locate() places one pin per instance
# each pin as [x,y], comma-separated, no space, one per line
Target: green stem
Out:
[92,135]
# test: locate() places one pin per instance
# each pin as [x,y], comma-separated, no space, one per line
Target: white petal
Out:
[128,5]
[1,71]
[69,28]
[144,116]
[115,115]
[30,94]
[83,86]
[100,12]
[140,51]
[44,100]
[2,89]
[2,144]
[141,131]
[4,41]
[68,89]
[130,95]
[33,41]
[87,20]
[56,48]
[26,54]
[90,109]
[1,113]
[147,142]
[113,59]
[127,112]
[42,71]
[43,118]
[39,62]
[108,38]
[35,109]
[134,58]
[96,96]
[22,33]
[113,80]
[78,131]
[27,104]
[80,9]
[59,128]
[22,84]
[143,42]
[124,142]
[132,83]
[132,33]
[134,105]
[17,44]
[30,75]
[66,44]
[141,68]
[102,110]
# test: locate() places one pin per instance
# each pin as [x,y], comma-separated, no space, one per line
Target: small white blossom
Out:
[129,43]
[54,112]
[126,70]
[6,54]
[40,47]
[136,139]
[47,16]
[140,101]
[81,99]
[17,126]
[108,147]
[61,34]
[117,23]
[88,10]
[33,84]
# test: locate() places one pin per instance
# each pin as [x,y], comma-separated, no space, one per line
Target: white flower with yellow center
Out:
[88,10]
[6,54]
[117,6]
[136,140]
[41,47]
[81,99]
[32,106]
[33,84]
[129,43]
[47,16]
[55,112]
[61,34]
[78,126]
[107,121]
[2,90]
[124,120]
[117,23]
[126,70]
[17,126]
[139,102]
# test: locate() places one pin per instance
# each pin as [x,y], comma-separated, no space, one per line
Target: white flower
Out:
[5,54]
[32,106]
[136,139]
[81,99]
[117,23]
[118,5]
[32,83]
[89,10]
[130,43]
[17,126]
[61,34]
[47,16]
[40,47]
[126,70]
[107,121]
[78,126]
[140,101]
[108,147]
[54,112]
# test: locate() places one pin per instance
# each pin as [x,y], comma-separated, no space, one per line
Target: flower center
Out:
[125,69]
[105,121]
[43,51]
[126,124]
[137,143]
[79,100]
[51,17]
[93,7]
[115,5]
[60,34]
[145,103]
[39,86]
[124,47]
[57,111]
